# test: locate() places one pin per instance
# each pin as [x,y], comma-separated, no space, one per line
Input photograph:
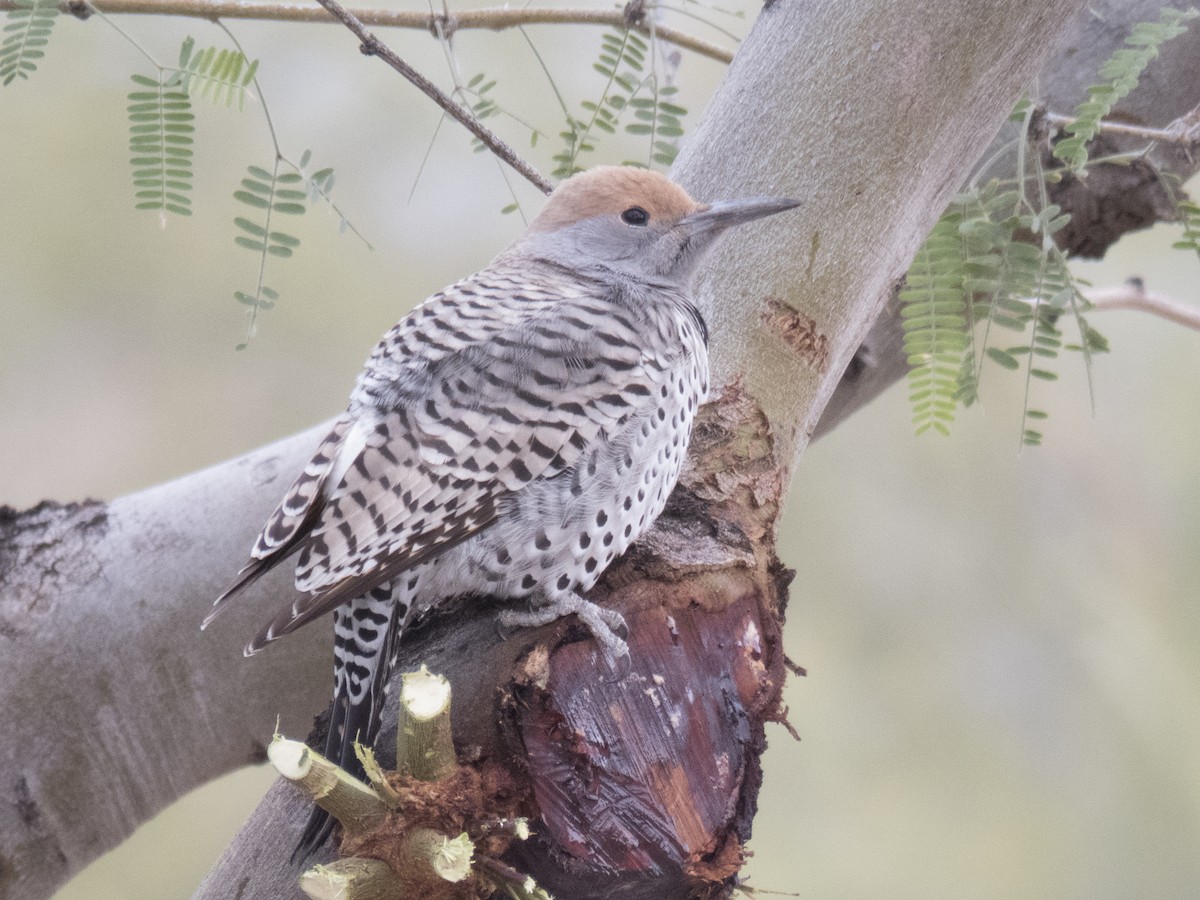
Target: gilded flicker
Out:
[509,437]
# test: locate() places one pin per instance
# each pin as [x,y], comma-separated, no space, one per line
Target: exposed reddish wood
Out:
[644,787]
[647,785]
[643,773]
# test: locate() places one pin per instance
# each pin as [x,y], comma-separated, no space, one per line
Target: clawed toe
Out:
[619,665]
[607,626]
[615,622]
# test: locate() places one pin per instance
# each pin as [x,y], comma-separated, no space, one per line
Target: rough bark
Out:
[874,112]
[114,703]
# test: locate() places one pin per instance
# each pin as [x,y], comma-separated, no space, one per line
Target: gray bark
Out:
[1113,201]
[872,111]
[115,704]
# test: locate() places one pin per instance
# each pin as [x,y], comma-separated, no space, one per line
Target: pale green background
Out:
[1003,646]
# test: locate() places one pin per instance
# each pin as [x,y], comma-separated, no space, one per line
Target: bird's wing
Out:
[476,409]
[292,519]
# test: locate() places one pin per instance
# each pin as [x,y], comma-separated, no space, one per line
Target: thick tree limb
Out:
[114,704]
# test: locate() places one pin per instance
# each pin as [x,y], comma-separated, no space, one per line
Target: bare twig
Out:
[1184,131]
[372,46]
[1133,295]
[496,19]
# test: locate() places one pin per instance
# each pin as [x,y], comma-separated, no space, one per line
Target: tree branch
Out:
[621,774]
[1183,132]
[495,19]
[818,319]
[1134,296]
[372,46]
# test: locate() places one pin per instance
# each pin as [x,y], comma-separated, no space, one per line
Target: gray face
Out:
[656,251]
[638,245]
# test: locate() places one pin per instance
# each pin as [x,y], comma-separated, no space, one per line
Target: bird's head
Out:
[637,223]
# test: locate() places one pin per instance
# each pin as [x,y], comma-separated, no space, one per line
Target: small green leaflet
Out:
[160,146]
[266,194]
[1120,75]
[224,76]
[27,32]
[631,89]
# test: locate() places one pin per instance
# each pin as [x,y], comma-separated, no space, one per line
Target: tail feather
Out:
[366,632]
[249,574]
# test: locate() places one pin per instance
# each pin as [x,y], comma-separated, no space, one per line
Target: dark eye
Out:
[635,215]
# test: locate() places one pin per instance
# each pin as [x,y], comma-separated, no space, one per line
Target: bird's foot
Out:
[606,625]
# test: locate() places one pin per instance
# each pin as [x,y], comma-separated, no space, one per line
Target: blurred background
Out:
[1003,646]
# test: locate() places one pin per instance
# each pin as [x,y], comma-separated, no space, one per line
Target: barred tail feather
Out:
[366,633]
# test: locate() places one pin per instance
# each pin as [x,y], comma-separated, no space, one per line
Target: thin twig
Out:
[1133,295]
[493,19]
[1184,131]
[372,46]
[500,870]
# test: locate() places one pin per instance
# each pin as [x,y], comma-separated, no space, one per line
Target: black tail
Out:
[366,633]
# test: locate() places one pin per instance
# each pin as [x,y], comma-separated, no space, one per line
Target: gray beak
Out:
[726,213]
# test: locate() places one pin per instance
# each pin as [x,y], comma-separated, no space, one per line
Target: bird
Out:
[510,437]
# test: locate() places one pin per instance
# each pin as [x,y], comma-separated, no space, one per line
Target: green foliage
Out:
[267,194]
[1189,216]
[320,182]
[979,271]
[477,92]
[27,32]
[661,120]
[319,188]
[991,264]
[223,75]
[161,129]
[264,191]
[160,141]
[933,311]
[624,55]
[1119,74]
